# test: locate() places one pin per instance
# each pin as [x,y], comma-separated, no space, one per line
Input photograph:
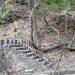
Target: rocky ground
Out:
[21,29]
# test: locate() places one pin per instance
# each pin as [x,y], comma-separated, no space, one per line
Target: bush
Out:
[57,5]
[23,2]
[5,12]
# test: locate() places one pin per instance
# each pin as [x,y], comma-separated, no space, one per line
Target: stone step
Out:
[52,72]
[21,48]
[8,41]
[44,62]
[16,45]
[40,60]
[13,42]
[36,57]
[16,41]
[29,54]
[26,51]
[40,74]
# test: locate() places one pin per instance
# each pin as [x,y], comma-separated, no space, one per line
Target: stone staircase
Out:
[24,49]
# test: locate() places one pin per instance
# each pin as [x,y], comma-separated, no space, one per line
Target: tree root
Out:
[51,27]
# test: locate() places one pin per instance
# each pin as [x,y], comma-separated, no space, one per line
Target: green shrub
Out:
[23,2]
[57,5]
[5,12]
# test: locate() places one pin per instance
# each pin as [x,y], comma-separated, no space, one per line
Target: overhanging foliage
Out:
[57,5]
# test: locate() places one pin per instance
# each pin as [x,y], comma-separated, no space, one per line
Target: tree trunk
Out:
[35,31]
[32,19]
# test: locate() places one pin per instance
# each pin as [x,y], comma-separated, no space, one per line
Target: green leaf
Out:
[61,2]
[5,13]
[48,2]
[57,5]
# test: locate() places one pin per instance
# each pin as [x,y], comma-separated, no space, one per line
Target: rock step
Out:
[16,45]
[9,41]
[30,54]
[43,61]
[35,57]
[25,51]
[40,60]
[22,48]
[14,41]
[58,72]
